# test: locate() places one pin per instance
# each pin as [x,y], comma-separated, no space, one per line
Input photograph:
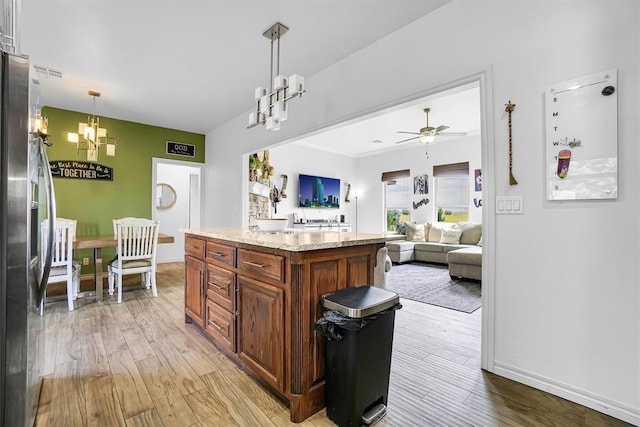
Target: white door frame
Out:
[485,80]
[154,179]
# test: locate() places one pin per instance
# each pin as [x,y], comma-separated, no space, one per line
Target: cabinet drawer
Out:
[194,246]
[221,255]
[221,325]
[259,264]
[221,286]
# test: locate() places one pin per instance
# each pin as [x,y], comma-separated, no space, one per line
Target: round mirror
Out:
[165,196]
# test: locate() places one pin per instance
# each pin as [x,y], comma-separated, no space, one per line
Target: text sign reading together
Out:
[74,169]
[181,149]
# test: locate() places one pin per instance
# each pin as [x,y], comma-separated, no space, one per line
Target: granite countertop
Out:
[292,240]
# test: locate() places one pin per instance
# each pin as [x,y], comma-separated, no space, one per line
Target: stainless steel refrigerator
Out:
[26,199]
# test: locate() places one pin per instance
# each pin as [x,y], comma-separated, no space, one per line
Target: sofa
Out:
[457,244]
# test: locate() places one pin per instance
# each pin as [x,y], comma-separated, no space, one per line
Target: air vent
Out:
[49,72]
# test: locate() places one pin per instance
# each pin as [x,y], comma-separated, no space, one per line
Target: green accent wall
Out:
[95,203]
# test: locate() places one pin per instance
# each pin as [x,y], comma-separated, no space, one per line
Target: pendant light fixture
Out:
[271,107]
[91,136]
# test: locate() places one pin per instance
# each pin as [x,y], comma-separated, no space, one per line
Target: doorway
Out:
[176,203]
[290,157]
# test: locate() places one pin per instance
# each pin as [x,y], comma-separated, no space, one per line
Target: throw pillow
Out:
[401,227]
[471,232]
[451,237]
[414,232]
[436,229]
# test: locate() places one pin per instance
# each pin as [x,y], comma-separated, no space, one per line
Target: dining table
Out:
[97,243]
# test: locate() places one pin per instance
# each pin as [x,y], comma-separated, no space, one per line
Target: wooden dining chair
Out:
[143,276]
[63,267]
[137,242]
[115,227]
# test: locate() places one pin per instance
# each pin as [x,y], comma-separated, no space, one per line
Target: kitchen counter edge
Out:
[294,241]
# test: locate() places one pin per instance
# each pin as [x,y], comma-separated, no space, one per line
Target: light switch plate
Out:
[509,205]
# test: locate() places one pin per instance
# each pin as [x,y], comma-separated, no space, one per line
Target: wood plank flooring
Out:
[139,364]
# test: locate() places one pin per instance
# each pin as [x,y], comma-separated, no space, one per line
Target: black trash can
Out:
[358,326]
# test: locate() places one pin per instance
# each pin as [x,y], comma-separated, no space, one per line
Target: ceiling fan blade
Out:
[408,139]
[453,134]
[410,133]
[441,128]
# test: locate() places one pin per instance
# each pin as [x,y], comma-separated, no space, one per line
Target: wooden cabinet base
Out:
[259,306]
[302,406]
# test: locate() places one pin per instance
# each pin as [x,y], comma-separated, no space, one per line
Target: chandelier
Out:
[91,136]
[271,107]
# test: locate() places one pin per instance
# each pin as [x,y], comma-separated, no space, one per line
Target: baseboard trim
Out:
[164,261]
[566,391]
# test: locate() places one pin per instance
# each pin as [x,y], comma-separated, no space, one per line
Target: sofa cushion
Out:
[470,255]
[435,230]
[451,236]
[429,247]
[471,232]
[414,232]
[400,246]
[448,248]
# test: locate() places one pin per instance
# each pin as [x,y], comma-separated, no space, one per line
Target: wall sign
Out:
[77,169]
[181,149]
[582,138]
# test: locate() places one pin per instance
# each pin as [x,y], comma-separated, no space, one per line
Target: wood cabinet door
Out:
[194,290]
[261,329]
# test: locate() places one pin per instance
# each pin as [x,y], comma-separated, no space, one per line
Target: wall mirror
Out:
[165,196]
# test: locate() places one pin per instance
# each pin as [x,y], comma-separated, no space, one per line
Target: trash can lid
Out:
[360,301]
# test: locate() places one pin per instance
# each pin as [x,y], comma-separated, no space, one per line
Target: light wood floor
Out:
[138,364]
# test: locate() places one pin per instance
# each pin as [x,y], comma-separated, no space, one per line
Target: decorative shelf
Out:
[259,189]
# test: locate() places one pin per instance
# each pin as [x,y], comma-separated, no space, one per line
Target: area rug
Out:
[431,284]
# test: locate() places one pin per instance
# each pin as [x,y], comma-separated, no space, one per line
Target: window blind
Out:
[452,169]
[393,175]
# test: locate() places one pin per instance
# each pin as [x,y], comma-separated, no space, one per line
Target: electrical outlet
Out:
[85,261]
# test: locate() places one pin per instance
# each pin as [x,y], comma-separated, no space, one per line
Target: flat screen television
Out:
[318,192]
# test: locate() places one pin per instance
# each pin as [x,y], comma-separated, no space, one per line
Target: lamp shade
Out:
[73,137]
[428,138]
[296,84]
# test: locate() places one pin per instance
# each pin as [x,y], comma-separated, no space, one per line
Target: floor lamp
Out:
[356,197]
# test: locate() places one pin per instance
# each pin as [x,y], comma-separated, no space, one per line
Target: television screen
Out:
[318,192]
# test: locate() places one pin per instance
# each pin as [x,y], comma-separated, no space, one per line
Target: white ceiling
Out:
[193,65]
[458,108]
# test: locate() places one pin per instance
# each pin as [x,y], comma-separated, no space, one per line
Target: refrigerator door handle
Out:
[51,203]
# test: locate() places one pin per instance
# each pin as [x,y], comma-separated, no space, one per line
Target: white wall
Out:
[371,191]
[567,306]
[364,176]
[292,160]
[177,216]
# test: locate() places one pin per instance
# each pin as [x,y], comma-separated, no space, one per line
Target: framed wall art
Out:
[421,184]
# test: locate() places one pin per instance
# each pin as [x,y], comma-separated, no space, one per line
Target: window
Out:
[451,184]
[397,192]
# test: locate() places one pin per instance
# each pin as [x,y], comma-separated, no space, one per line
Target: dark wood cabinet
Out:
[194,297]
[261,329]
[221,325]
[259,305]
[221,287]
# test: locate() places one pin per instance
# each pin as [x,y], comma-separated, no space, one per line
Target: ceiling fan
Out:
[428,133]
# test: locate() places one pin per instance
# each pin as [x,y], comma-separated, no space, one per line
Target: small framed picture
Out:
[478,179]
[420,184]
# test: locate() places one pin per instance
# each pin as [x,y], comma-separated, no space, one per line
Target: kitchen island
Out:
[257,296]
